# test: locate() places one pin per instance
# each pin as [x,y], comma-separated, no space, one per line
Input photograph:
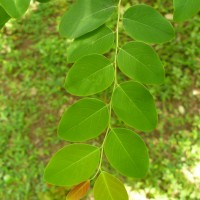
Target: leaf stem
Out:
[114,86]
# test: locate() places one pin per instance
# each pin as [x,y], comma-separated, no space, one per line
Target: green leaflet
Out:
[4,17]
[99,41]
[134,104]
[90,75]
[140,62]
[72,165]
[15,8]
[127,153]
[85,16]
[145,24]
[107,187]
[184,9]
[84,120]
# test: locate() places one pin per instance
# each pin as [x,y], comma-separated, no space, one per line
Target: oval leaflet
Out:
[144,23]
[110,188]
[134,104]
[89,75]
[140,62]
[98,41]
[79,20]
[72,165]
[84,120]
[132,157]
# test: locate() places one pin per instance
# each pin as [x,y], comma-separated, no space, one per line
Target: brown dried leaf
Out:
[79,191]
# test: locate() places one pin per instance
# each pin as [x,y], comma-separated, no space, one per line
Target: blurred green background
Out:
[33,66]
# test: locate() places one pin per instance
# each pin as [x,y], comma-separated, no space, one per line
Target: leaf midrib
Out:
[82,121]
[151,27]
[87,45]
[69,166]
[138,61]
[88,77]
[107,187]
[99,11]
[124,148]
[134,104]
[100,38]
[105,67]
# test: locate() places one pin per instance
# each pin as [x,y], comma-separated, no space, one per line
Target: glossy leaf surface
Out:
[144,23]
[134,104]
[90,75]
[98,41]
[72,165]
[4,17]
[84,120]
[79,191]
[127,153]
[140,62]
[110,188]
[15,8]
[85,16]
[184,9]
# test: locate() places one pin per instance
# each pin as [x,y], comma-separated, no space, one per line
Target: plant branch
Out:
[114,86]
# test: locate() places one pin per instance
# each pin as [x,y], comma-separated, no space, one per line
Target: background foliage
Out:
[32,99]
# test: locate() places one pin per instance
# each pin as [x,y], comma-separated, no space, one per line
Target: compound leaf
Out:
[85,16]
[140,62]
[72,165]
[98,41]
[110,188]
[127,153]
[4,17]
[15,8]
[145,24]
[89,75]
[134,104]
[79,191]
[183,10]
[84,120]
